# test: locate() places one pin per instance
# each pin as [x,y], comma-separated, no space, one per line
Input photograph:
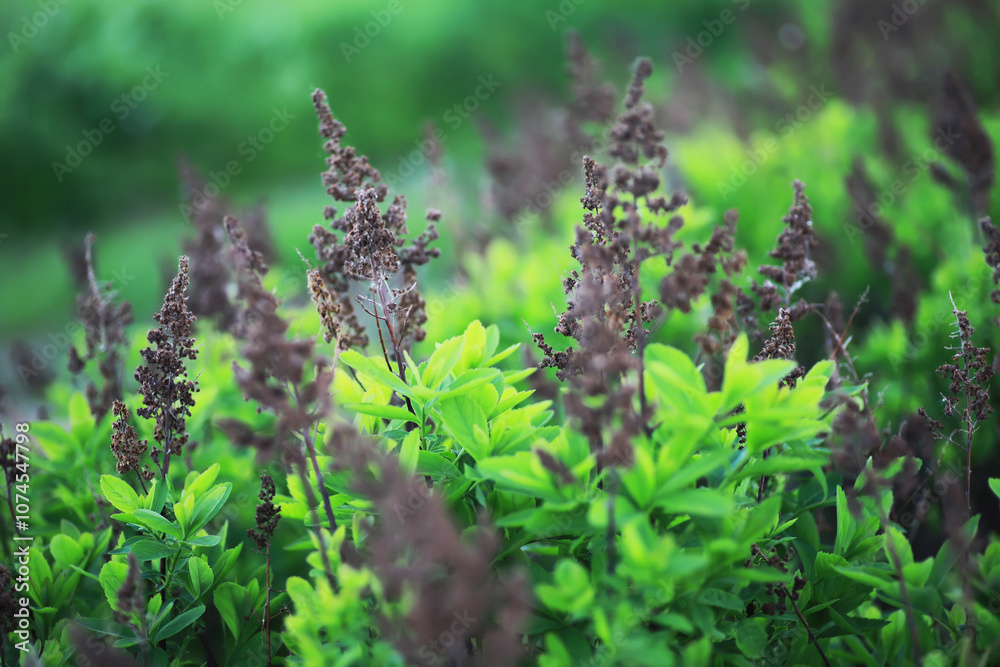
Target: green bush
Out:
[670,487]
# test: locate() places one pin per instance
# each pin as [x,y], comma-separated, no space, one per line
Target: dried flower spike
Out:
[373,246]
[104,323]
[167,393]
[268,514]
[125,444]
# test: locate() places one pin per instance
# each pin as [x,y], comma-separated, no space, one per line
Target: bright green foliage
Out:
[332,628]
[685,568]
[662,562]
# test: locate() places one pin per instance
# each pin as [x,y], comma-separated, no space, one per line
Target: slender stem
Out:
[802,619]
[267,601]
[966,584]
[401,372]
[307,438]
[763,479]
[173,566]
[612,529]
[970,427]
[311,499]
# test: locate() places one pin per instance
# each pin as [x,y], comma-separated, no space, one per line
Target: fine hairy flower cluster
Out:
[992,252]
[8,458]
[970,375]
[167,393]
[211,274]
[593,99]
[969,144]
[373,248]
[795,245]
[277,365]
[605,313]
[126,446]
[104,323]
[9,604]
[268,514]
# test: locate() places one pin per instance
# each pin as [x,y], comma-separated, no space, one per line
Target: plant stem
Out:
[311,499]
[802,619]
[267,601]
[173,566]
[612,529]
[310,447]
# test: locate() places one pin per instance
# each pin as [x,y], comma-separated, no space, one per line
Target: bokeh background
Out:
[104,102]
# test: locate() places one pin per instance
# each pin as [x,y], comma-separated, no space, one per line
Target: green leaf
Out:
[409,452]
[995,486]
[200,484]
[157,522]
[779,464]
[500,356]
[845,524]
[743,380]
[226,562]
[509,399]
[512,377]
[160,615]
[56,441]
[473,349]
[207,507]
[179,623]
[203,541]
[200,576]
[112,576]
[375,370]
[413,376]
[571,592]
[467,381]
[466,422]
[492,340]
[65,551]
[228,598]
[434,464]
[640,479]
[101,626]
[383,411]
[40,570]
[520,473]
[751,639]
[81,422]
[697,502]
[119,493]
[183,511]
[442,361]
[158,495]
[719,598]
[149,549]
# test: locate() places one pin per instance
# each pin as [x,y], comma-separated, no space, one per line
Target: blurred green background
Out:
[138,86]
